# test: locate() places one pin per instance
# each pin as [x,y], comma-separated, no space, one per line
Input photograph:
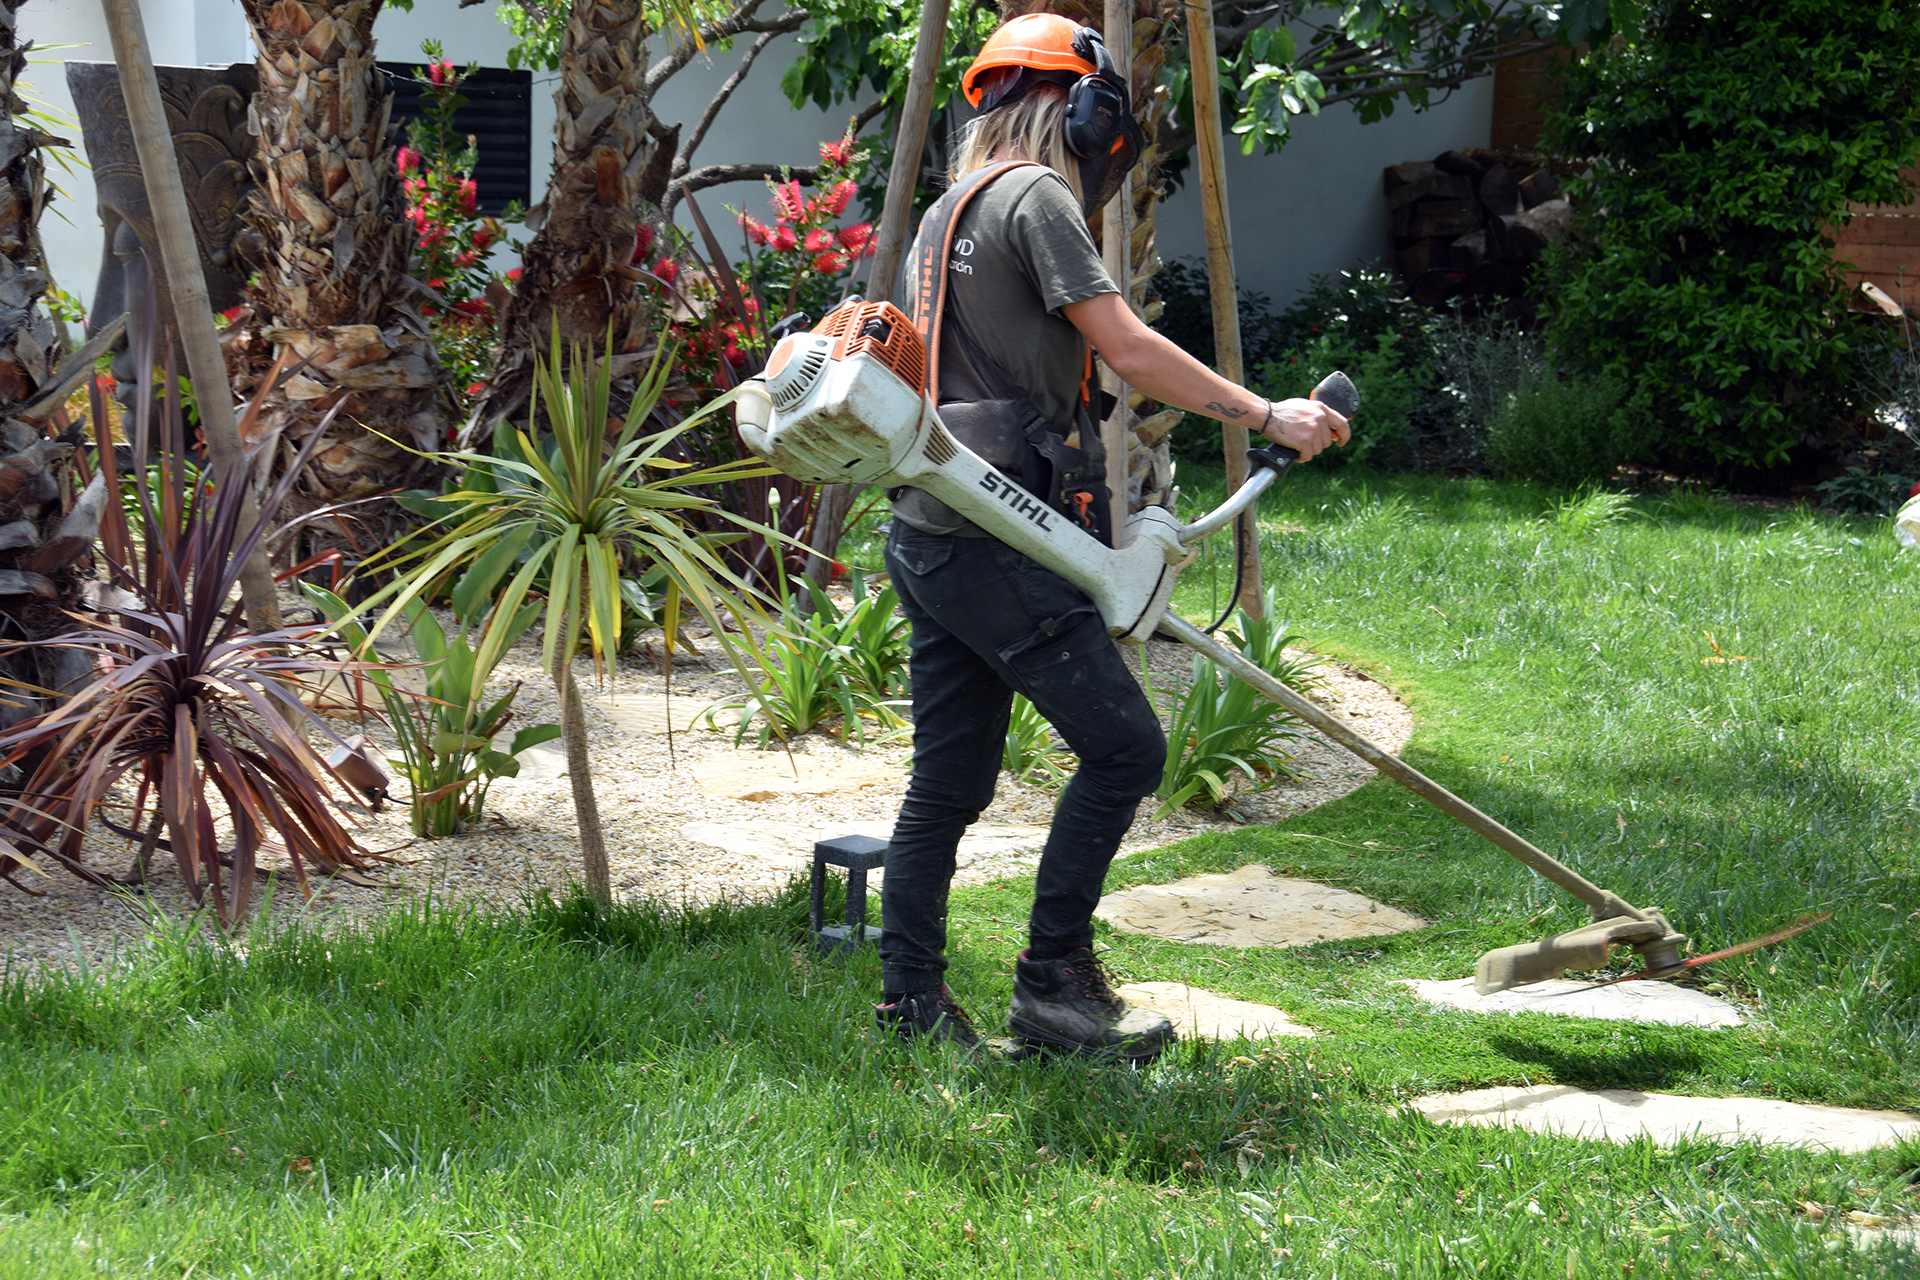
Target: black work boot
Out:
[927,1014]
[1069,1004]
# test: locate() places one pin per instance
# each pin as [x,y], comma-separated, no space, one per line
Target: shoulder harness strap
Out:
[936,247]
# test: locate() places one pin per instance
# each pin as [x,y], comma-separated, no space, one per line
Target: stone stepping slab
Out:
[772,775]
[1623,1115]
[1250,907]
[1652,1001]
[1199,1014]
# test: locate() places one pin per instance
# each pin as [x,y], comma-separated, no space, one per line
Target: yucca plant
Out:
[575,507]
[205,720]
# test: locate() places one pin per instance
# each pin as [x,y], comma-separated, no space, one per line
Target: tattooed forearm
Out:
[1224,411]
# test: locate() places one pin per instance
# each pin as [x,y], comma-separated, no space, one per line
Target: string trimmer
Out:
[843,404]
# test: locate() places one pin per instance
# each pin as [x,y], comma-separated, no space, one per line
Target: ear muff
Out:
[1044,48]
[1100,127]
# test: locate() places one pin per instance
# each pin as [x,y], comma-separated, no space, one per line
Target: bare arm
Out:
[1151,362]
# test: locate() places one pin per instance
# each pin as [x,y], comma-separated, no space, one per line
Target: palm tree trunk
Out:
[1149,462]
[334,289]
[46,543]
[586,808]
[578,273]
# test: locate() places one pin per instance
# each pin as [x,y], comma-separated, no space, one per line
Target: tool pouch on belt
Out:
[1008,431]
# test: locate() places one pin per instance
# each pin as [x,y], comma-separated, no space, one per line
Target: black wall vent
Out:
[499,114]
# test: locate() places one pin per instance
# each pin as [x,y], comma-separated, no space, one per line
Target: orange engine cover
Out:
[880,330]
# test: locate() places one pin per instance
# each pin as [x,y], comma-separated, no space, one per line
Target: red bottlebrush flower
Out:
[857,238]
[405,158]
[837,152]
[513,273]
[473,308]
[735,356]
[830,264]
[465,258]
[819,240]
[469,194]
[756,231]
[475,388]
[835,201]
[788,203]
[483,238]
[784,240]
[231,314]
[667,269]
[441,73]
[642,242]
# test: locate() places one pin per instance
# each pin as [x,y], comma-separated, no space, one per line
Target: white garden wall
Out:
[1314,208]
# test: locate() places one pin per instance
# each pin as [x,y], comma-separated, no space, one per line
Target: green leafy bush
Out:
[1394,384]
[1360,321]
[1479,362]
[1728,143]
[1570,432]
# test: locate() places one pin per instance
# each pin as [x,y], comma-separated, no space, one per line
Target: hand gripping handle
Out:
[1338,393]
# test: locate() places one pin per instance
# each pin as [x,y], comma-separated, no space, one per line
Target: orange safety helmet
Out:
[1045,48]
[1038,41]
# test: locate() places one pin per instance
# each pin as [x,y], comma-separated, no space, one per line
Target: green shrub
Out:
[1339,322]
[1728,143]
[1479,362]
[446,731]
[1394,382]
[1572,432]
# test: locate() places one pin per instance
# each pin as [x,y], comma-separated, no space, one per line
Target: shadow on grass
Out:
[1643,1058]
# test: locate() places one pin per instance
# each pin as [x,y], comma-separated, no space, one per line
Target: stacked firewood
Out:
[1473,222]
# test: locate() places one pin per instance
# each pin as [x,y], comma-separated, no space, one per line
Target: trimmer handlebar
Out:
[1269,462]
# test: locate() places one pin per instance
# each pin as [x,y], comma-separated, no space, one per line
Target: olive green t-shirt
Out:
[1021,251]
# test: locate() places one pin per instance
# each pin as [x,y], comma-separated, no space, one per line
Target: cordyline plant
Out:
[575,509]
[204,719]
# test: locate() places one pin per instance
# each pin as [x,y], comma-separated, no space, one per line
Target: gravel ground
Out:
[649,790]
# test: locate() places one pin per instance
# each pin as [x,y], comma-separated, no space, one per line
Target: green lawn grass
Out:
[554,1094]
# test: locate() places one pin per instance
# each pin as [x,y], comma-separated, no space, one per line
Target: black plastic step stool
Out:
[859,855]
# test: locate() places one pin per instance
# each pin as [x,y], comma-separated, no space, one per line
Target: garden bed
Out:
[650,793]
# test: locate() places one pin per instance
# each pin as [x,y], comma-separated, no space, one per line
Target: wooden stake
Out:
[1221,287]
[836,500]
[903,175]
[187,282]
[1115,241]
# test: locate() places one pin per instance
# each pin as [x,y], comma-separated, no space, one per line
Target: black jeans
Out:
[988,621]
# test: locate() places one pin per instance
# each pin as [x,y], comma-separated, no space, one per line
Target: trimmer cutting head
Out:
[1653,939]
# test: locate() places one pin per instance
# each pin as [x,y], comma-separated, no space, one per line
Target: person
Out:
[1011,311]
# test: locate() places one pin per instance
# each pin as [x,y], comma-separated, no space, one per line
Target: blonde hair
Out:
[1032,126]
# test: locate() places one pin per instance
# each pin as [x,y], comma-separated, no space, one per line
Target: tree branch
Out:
[684,160]
[716,175]
[740,20]
[686,182]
